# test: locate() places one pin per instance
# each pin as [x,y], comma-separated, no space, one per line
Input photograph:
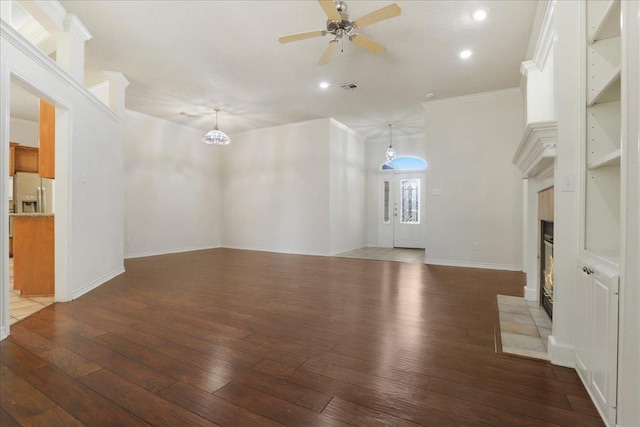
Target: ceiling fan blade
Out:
[368,44]
[326,56]
[301,36]
[378,15]
[330,9]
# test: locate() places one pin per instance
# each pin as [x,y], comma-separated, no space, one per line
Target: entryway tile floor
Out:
[524,327]
[22,306]
[386,254]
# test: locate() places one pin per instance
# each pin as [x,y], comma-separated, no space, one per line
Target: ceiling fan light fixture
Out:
[215,136]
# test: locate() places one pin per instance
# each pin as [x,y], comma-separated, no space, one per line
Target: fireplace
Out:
[546,267]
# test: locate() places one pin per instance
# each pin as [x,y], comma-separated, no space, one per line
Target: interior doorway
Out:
[30,283]
[401,207]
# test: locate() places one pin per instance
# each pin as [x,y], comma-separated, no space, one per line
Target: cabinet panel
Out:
[584,298]
[47,130]
[33,248]
[605,339]
[25,159]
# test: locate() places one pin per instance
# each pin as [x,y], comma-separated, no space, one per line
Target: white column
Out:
[569,62]
[117,85]
[70,47]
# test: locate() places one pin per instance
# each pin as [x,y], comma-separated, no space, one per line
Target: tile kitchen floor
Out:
[21,307]
[524,327]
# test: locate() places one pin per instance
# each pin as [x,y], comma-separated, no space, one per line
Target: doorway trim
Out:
[62,201]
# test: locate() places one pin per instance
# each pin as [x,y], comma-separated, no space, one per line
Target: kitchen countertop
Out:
[31,214]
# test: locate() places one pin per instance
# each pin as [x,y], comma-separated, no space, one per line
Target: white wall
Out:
[24,132]
[406,146]
[347,199]
[89,208]
[275,191]
[470,145]
[171,187]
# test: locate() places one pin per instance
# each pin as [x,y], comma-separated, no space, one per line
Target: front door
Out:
[401,221]
[407,211]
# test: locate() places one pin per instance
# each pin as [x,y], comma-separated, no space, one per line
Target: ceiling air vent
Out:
[348,87]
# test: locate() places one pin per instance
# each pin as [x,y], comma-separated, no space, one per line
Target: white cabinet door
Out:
[596,343]
[584,302]
[604,358]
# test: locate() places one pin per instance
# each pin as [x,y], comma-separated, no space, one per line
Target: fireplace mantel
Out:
[537,149]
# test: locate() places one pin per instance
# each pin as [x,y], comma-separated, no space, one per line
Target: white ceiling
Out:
[188,56]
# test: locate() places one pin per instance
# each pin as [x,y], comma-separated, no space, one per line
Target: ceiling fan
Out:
[339,25]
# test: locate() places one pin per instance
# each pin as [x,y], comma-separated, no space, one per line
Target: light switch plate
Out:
[568,182]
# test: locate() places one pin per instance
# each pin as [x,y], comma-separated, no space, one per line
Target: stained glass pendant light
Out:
[391,152]
[215,136]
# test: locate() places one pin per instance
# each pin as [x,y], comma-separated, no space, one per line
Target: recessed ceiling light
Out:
[466,54]
[430,95]
[480,14]
[324,85]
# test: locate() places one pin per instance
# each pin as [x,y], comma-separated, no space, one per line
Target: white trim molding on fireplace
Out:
[537,149]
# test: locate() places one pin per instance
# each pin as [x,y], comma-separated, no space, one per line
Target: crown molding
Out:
[50,13]
[546,38]
[72,22]
[537,149]
[11,36]
[472,97]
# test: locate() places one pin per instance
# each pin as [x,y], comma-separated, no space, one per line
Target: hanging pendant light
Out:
[391,152]
[215,136]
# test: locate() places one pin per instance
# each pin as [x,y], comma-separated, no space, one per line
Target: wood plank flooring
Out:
[240,338]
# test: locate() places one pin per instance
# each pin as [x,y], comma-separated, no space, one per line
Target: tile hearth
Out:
[524,327]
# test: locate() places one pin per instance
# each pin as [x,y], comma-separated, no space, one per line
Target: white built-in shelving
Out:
[596,299]
[602,145]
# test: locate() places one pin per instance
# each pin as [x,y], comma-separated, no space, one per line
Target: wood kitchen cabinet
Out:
[12,156]
[47,144]
[33,254]
[25,159]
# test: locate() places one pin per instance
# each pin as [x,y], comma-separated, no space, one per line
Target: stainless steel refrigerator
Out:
[32,194]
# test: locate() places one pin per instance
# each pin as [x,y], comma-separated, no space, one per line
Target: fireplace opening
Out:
[546,267]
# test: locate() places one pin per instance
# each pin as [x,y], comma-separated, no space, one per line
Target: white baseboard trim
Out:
[561,354]
[530,294]
[94,284]
[468,264]
[168,251]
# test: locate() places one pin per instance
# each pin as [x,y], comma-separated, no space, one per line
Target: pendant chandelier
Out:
[391,152]
[215,136]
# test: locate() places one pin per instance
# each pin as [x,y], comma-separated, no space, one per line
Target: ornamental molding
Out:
[10,35]
[537,149]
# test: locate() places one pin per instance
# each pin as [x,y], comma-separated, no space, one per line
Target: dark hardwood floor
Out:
[228,337]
